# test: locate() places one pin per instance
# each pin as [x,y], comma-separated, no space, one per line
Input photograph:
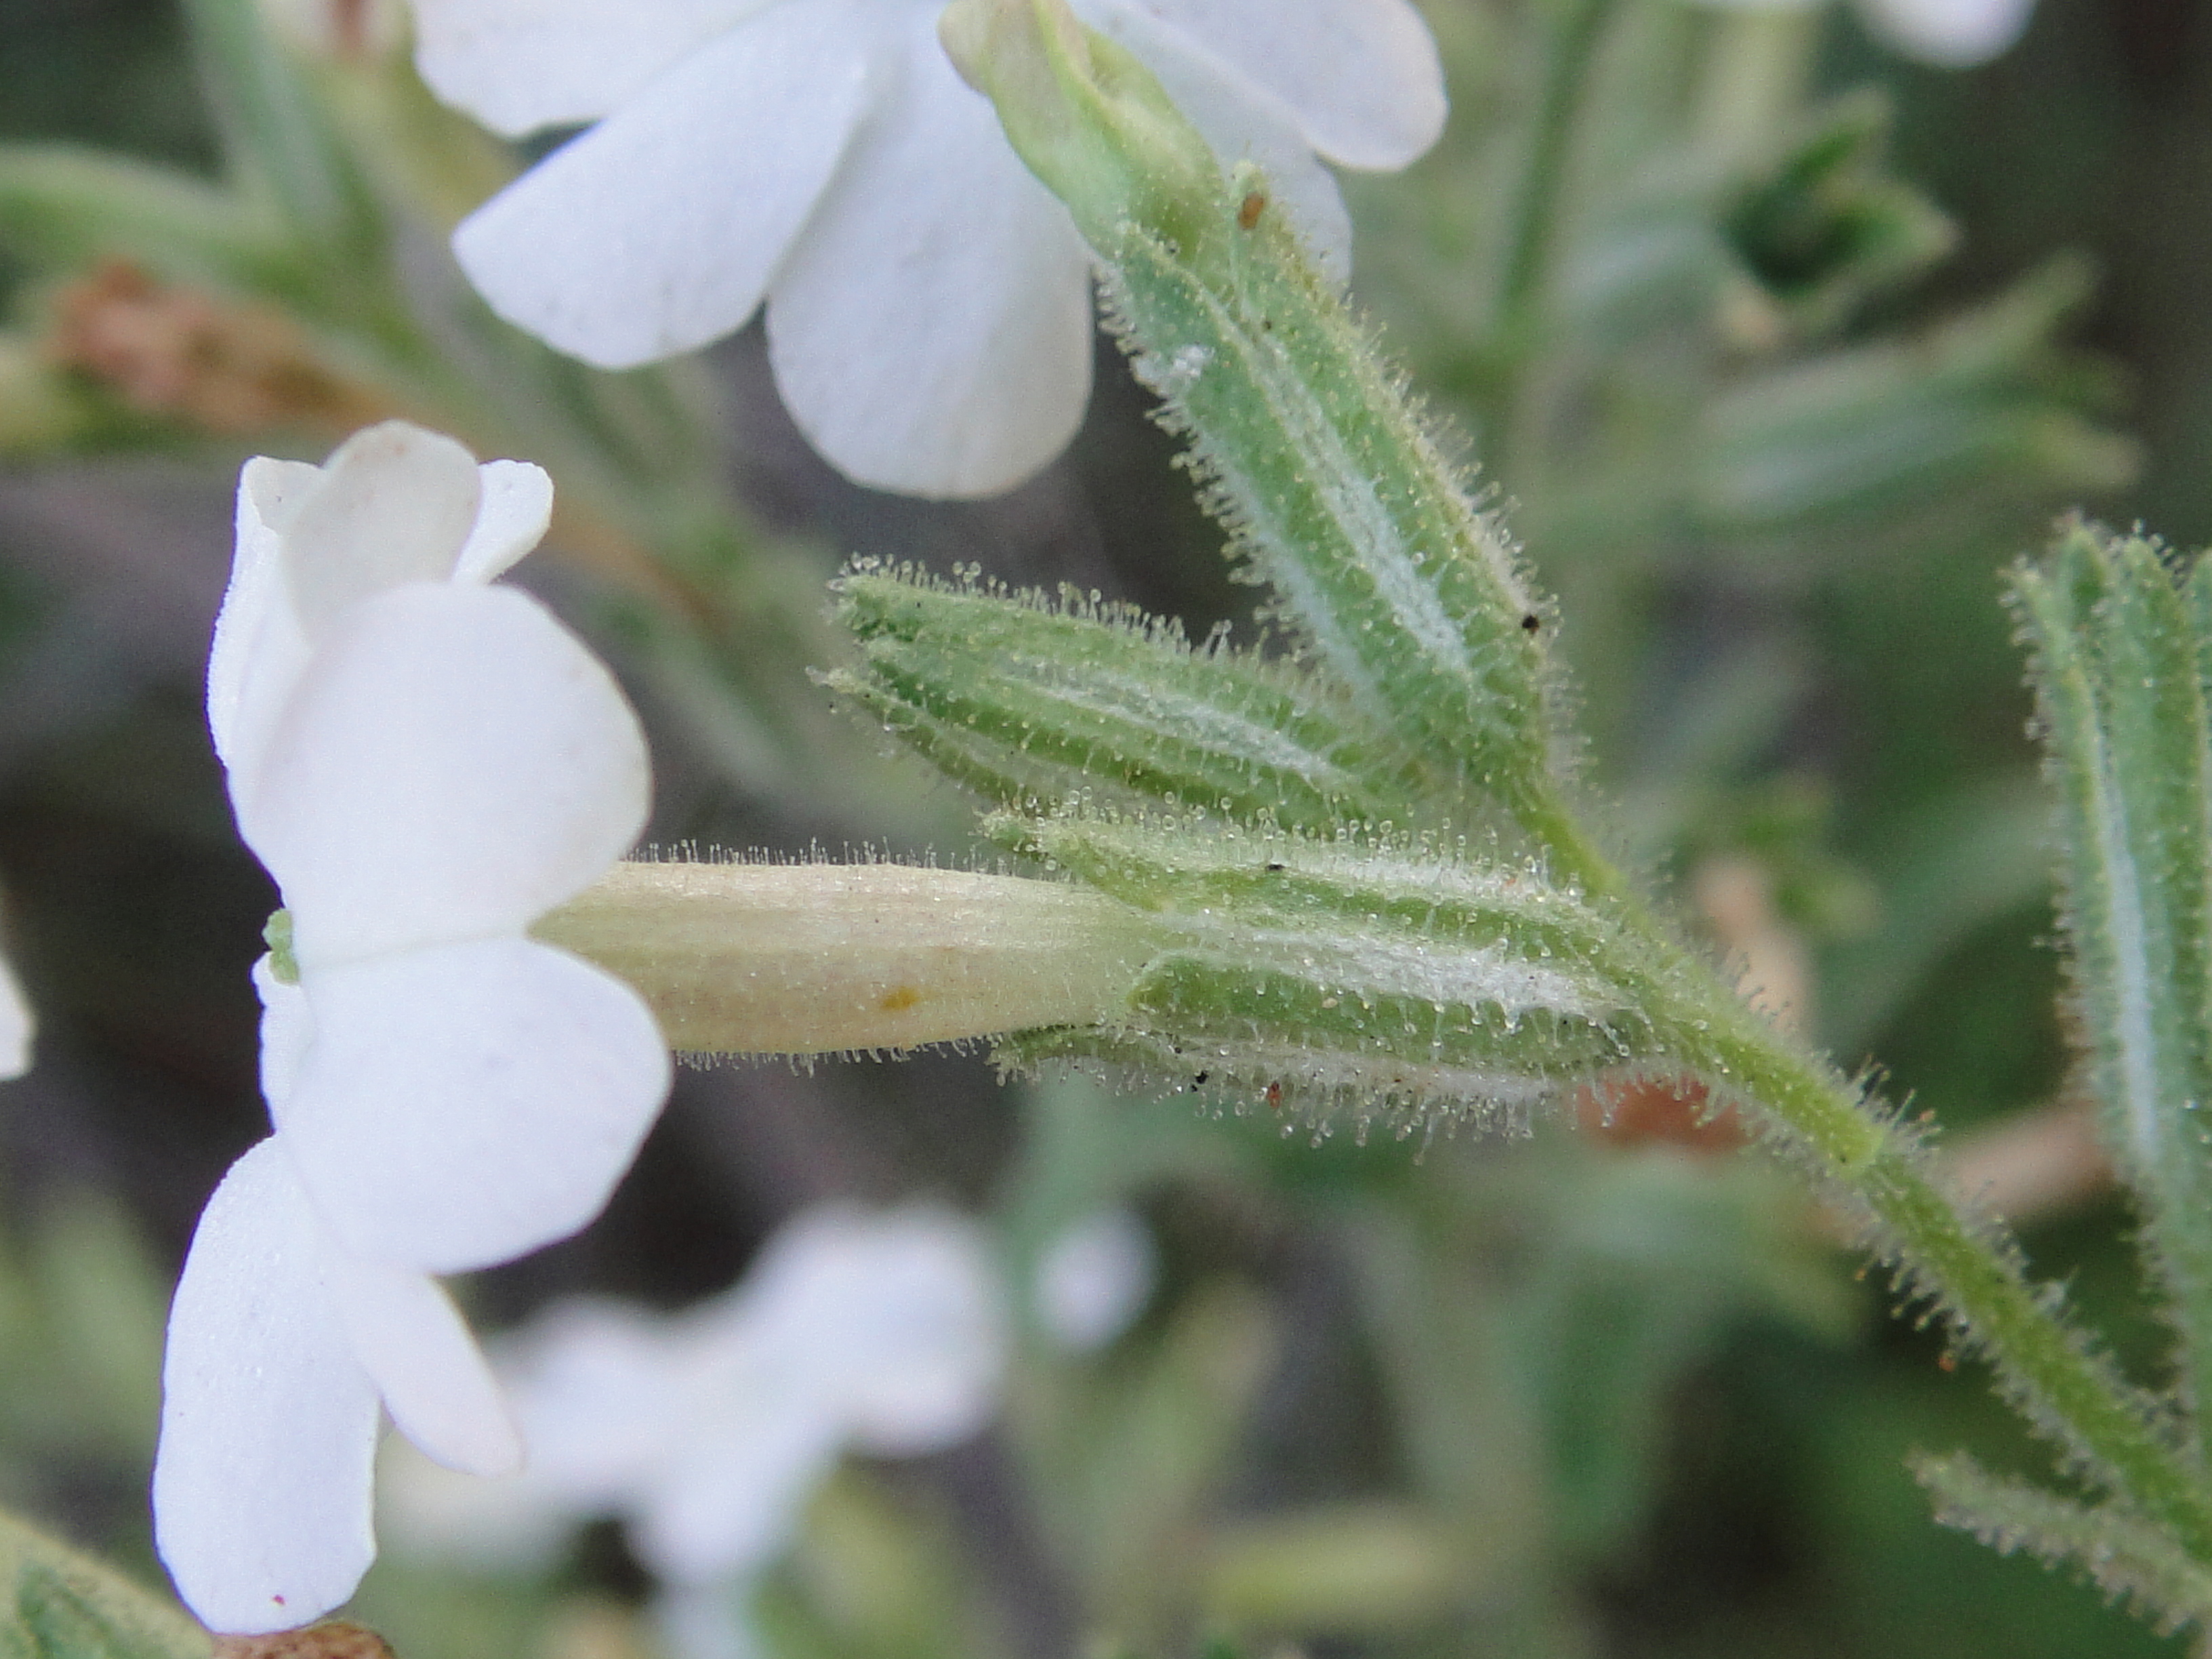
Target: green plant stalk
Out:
[1541,210]
[2067,1391]
[1755,74]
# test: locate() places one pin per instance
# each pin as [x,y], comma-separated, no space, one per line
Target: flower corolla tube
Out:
[927,303]
[709,1431]
[426,763]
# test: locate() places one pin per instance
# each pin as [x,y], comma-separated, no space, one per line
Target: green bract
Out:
[1026,702]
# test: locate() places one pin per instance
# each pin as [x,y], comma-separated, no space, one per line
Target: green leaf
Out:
[67,1605]
[1129,1461]
[2122,704]
[1030,702]
[1827,230]
[1336,496]
[62,207]
[2115,1549]
[280,140]
[1984,403]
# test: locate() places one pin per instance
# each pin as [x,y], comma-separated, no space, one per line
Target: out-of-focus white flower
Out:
[709,1431]
[426,764]
[928,315]
[1094,1280]
[17,1026]
[1947,33]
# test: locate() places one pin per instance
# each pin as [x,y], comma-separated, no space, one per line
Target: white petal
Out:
[516,507]
[518,65]
[727,1506]
[1361,76]
[1095,1279]
[599,1388]
[931,332]
[258,648]
[434,1382]
[453,764]
[658,230]
[1949,33]
[16,1024]
[394,505]
[287,1027]
[892,1321]
[261,1486]
[465,1103]
[1244,122]
[939,1340]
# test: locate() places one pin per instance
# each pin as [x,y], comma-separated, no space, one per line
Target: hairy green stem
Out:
[2063,1387]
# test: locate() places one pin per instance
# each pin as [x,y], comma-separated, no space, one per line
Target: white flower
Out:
[929,314]
[17,1026]
[707,1432]
[426,764]
[1947,33]
[1094,1280]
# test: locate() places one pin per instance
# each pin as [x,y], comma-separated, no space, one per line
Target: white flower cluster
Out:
[426,763]
[709,1431]
[928,307]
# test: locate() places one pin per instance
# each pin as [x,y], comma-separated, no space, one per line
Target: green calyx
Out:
[1404,982]
[1088,119]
